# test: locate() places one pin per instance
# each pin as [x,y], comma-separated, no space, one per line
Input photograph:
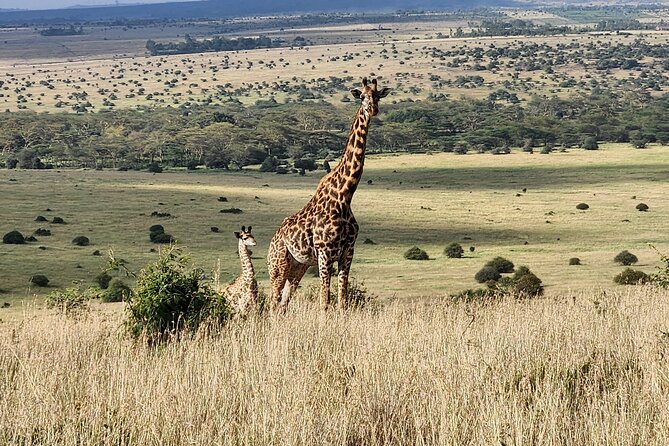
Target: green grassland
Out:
[429,200]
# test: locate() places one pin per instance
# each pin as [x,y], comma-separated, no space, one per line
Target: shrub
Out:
[454,251]
[41,232]
[40,280]
[582,206]
[154,168]
[487,274]
[214,229]
[81,240]
[169,298]
[192,165]
[160,214]
[117,291]
[40,218]
[157,229]
[590,143]
[625,258]
[574,261]
[222,199]
[103,280]
[13,238]
[231,211]
[643,207]
[357,296]
[58,221]
[501,264]
[415,253]
[269,164]
[31,238]
[307,164]
[631,277]
[161,238]
[11,163]
[472,295]
[526,283]
[70,301]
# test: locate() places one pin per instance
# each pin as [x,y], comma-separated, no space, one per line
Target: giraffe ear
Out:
[384,92]
[250,228]
[356,93]
[243,228]
[238,235]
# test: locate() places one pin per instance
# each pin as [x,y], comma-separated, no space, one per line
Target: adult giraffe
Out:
[324,231]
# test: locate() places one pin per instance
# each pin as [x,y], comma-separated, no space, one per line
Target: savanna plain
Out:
[586,363]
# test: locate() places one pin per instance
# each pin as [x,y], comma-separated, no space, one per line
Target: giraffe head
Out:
[246,237]
[370,96]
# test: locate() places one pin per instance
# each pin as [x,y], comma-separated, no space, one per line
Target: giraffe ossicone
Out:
[324,230]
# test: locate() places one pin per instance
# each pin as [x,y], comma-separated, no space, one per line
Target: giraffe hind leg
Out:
[342,278]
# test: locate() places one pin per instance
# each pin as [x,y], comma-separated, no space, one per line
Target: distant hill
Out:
[233,8]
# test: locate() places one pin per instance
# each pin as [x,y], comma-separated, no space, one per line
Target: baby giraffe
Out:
[243,292]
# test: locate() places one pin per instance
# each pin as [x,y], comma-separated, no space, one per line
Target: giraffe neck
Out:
[248,273]
[349,171]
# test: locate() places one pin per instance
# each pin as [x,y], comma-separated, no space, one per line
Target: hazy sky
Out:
[55,4]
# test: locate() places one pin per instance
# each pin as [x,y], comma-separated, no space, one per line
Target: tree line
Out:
[233,135]
[190,45]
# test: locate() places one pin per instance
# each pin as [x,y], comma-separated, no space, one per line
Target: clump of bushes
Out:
[13,238]
[471,295]
[625,258]
[454,251]
[81,240]
[523,284]
[574,261]
[41,232]
[487,274]
[415,253]
[169,298]
[103,280]
[214,229]
[642,207]
[40,218]
[117,291]
[70,301]
[154,168]
[501,264]
[160,214]
[582,206]
[40,280]
[157,235]
[631,277]
[231,211]
[58,221]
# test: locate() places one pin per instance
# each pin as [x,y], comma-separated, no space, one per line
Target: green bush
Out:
[161,238]
[582,206]
[415,253]
[103,280]
[625,258]
[661,278]
[117,291]
[643,207]
[631,277]
[41,218]
[454,251]
[81,240]
[590,143]
[13,238]
[154,168]
[269,164]
[487,274]
[231,211]
[501,264]
[574,261]
[158,229]
[58,221]
[70,301]
[526,283]
[169,298]
[40,280]
[41,232]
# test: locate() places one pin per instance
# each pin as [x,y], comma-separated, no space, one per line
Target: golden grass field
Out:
[476,200]
[585,369]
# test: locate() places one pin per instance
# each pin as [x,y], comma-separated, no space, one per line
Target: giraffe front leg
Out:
[324,267]
[342,278]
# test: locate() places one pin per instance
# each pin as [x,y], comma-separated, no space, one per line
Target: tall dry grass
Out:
[587,370]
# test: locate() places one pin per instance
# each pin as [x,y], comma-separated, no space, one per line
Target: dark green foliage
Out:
[582,206]
[625,258]
[97,253]
[40,218]
[454,251]
[661,278]
[31,238]
[190,45]
[526,284]
[41,232]
[415,253]
[154,168]
[471,295]
[58,221]
[158,229]
[214,229]
[269,164]
[307,164]
[631,277]
[13,238]
[161,238]
[103,280]
[117,291]
[643,207]
[501,264]
[169,298]
[160,214]
[222,199]
[487,274]
[231,211]
[70,301]
[590,143]
[81,240]
[11,163]
[574,261]
[40,280]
